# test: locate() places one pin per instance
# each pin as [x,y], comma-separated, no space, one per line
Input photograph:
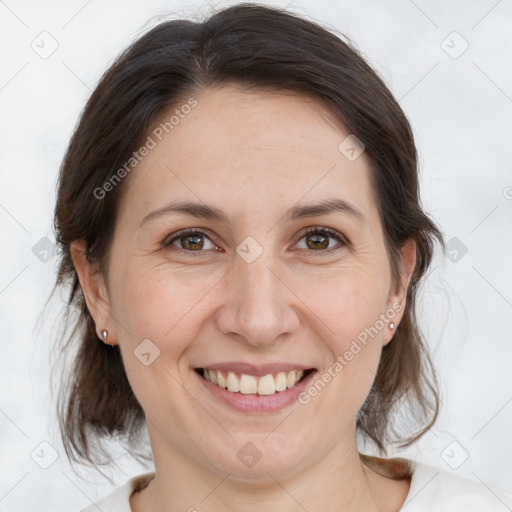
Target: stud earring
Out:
[104,334]
[391,325]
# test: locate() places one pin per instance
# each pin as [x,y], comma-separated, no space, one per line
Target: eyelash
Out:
[332,233]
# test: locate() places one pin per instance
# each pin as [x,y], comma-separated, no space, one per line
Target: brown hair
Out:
[253,46]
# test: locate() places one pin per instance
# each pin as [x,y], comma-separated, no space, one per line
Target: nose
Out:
[257,305]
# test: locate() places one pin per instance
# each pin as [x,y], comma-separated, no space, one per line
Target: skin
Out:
[266,152]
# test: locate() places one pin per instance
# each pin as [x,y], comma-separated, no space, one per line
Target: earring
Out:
[104,334]
[391,325]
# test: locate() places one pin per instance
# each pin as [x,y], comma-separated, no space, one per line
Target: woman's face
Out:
[251,287]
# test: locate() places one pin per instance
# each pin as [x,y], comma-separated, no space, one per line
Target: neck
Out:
[338,481]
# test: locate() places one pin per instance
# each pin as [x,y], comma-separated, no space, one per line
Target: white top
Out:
[431,490]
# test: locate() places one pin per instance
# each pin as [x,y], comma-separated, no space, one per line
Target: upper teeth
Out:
[247,384]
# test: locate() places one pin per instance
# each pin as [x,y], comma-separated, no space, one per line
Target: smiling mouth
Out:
[250,385]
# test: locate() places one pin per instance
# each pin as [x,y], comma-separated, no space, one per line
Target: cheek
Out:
[346,300]
[157,311]
[152,302]
[163,307]
[348,307]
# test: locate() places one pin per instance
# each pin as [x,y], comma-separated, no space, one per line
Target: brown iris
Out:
[319,241]
[193,242]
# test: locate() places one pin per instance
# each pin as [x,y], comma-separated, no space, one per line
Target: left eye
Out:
[318,239]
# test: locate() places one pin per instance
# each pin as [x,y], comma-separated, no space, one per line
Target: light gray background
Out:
[460,108]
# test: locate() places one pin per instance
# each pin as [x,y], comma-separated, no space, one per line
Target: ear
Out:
[95,292]
[398,296]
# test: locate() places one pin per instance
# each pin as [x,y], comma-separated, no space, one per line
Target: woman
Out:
[239,218]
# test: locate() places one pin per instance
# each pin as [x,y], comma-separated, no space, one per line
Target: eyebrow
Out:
[295,213]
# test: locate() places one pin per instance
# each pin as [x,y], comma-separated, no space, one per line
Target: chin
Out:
[260,459]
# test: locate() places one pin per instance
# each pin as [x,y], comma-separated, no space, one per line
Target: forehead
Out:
[257,149]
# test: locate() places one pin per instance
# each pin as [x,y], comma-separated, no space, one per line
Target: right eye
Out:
[189,240]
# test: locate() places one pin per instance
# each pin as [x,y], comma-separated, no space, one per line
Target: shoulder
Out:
[434,487]
[119,500]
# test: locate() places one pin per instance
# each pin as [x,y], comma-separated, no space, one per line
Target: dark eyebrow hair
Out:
[204,211]
[325,207]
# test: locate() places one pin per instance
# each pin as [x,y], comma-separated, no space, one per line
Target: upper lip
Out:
[256,370]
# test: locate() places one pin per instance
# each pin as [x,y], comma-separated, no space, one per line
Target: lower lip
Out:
[257,403]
